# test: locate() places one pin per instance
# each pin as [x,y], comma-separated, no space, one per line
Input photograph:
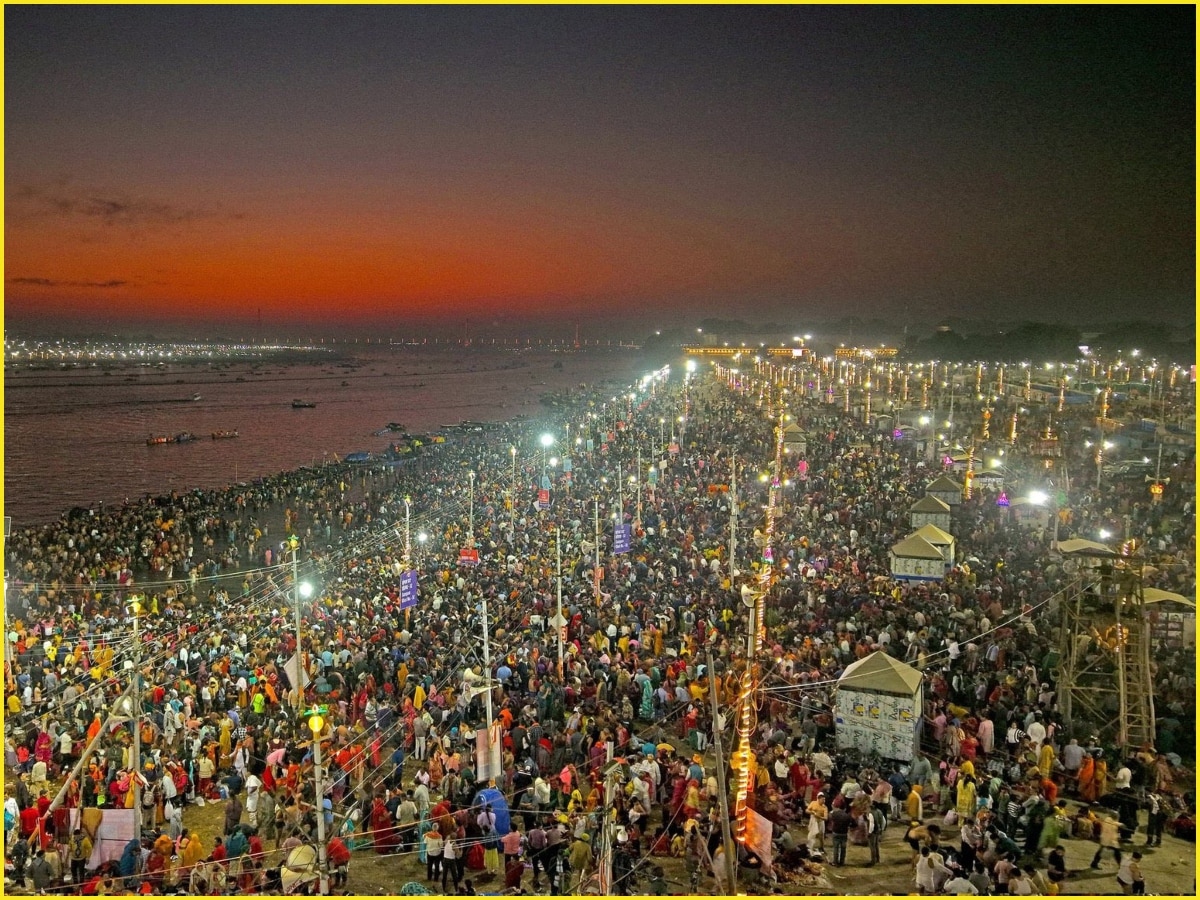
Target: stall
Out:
[929,510]
[945,489]
[915,559]
[940,539]
[878,706]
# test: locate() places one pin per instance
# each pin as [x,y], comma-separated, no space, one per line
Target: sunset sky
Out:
[651,166]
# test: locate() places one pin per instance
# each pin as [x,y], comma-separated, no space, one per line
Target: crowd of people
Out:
[606,770]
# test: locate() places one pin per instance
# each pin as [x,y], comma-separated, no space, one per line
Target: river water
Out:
[77,437]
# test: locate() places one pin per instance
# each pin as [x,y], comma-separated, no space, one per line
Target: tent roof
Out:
[1080,547]
[945,483]
[934,535]
[990,473]
[880,672]
[1155,595]
[793,429]
[916,547]
[928,504]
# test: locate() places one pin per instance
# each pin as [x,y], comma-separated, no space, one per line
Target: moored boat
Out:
[224,435]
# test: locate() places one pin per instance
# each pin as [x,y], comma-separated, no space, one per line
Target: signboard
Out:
[545,482]
[591,445]
[408,589]
[543,499]
[567,467]
[468,556]
[653,475]
[621,538]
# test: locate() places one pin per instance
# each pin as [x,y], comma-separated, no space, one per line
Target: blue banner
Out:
[567,467]
[408,589]
[621,538]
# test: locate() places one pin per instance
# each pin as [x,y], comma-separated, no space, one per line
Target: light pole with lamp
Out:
[316,724]
[1041,498]
[638,480]
[547,441]
[407,532]
[471,510]
[560,623]
[135,609]
[299,590]
[512,496]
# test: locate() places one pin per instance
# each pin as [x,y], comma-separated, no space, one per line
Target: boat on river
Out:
[183,437]
[224,435]
[303,404]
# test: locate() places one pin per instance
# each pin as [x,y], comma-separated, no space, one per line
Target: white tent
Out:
[945,489]
[940,539]
[878,707]
[929,510]
[915,559]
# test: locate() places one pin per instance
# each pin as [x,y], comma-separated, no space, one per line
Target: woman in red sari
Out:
[43,748]
[383,828]
[409,713]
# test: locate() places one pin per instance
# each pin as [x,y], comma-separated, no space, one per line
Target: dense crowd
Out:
[405,690]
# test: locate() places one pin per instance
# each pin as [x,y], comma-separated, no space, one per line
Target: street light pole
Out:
[639,489]
[407,531]
[620,519]
[512,496]
[298,591]
[136,700]
[316,724]
[471,510]
[726,830]
[558,563]
[596,573]
[733,516]
[298,687]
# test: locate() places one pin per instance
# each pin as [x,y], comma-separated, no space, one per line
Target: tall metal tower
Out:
[1104,680]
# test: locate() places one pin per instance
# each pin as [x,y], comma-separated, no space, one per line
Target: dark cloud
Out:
[53,282]
[106,208]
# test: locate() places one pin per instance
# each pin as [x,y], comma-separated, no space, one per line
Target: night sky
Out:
[649,166]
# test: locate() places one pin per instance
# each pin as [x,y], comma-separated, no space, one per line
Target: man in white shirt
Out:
[960,885]
[1037,732]
[253,787]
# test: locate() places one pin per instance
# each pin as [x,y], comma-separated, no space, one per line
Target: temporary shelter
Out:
[929,510]
[878,707]
[1172,618]
[990,480]
[794,440]
[945,489]
[499,805]
[915,559]
[940,539]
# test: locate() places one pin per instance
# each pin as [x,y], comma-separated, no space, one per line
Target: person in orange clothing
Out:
[1087,778]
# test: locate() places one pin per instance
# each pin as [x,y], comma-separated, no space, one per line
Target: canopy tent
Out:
[878,707]
[1081,547]
[881,672]
[499,805]
[1155,595]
